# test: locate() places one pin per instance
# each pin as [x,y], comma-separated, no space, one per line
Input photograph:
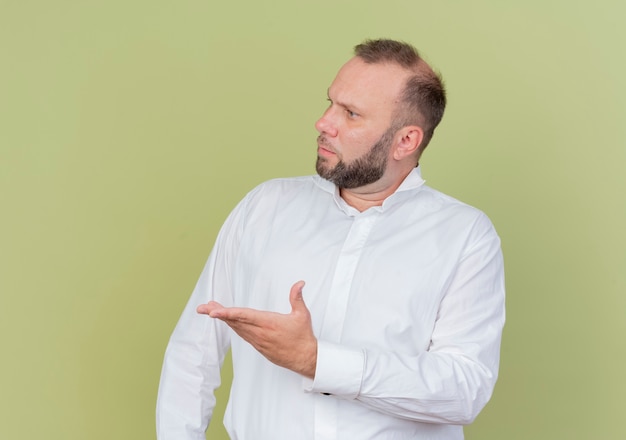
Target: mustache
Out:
[323,142]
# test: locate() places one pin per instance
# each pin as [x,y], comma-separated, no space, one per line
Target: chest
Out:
[377,278]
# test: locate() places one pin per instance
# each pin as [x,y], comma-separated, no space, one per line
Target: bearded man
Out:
[397,332]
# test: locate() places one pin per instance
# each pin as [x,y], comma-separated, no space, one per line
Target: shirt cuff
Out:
[339,371]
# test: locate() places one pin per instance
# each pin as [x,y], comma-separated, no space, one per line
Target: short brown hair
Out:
[424,97]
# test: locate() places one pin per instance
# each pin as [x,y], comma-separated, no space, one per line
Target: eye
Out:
[351,114]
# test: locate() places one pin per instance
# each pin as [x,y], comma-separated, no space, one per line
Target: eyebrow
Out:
[343,104]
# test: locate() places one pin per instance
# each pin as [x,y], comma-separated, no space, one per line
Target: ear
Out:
[409,139]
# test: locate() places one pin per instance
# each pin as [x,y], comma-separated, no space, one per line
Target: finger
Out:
[295,296]
[242,315]
[207,309]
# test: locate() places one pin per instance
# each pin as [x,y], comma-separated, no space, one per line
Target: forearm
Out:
[431,387]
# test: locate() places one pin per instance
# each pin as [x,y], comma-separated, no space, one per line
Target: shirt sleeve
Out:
[196,349]
[451,381]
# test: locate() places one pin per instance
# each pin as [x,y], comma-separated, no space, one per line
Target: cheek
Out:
[354,144]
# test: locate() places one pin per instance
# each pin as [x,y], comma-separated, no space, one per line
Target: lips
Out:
[323,147]
[324,152]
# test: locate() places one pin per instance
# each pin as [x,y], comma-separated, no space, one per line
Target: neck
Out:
[374,194]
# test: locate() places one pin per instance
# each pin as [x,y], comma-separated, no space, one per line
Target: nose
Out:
[326,125]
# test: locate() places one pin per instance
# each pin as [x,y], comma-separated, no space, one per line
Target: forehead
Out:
[369,85]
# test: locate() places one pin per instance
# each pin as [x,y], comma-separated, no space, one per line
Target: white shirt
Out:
[407,303]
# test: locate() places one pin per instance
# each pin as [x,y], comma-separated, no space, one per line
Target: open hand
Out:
[286,340]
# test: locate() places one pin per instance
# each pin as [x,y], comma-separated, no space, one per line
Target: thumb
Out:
[295,297]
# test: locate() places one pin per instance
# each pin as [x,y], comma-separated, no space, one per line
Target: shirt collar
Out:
[412,181]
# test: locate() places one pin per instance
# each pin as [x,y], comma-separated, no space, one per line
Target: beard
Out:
[362,171]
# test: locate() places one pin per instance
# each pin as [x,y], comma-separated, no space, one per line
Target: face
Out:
[356,131]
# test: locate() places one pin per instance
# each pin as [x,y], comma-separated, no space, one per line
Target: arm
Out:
[196,350]
[452,380]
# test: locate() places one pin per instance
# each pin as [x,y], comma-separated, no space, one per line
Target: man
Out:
[397,332]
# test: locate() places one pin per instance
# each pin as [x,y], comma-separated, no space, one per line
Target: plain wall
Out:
[129,129]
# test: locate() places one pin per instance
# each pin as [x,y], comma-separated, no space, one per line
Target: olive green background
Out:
[129,129]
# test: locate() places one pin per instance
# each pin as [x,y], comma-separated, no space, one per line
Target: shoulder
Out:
[285,187]
[285,183]
[438,200]
[445,206]
[285,190]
